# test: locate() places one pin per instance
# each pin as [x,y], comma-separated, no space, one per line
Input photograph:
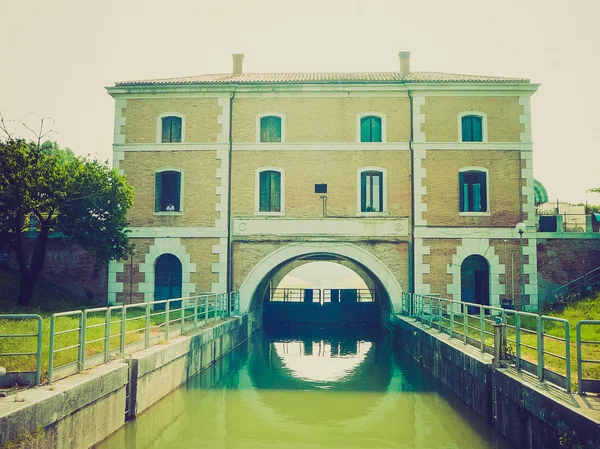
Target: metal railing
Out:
[583,384]
[348,295]
[23,375]
[105,332]
[326,295]
[295,295]
[473,324]
[579,285]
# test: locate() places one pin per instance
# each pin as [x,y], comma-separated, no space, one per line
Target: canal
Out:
[310,389]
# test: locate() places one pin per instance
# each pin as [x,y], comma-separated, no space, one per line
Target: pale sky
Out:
[59,55]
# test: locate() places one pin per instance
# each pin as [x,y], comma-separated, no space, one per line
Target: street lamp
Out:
[521,228]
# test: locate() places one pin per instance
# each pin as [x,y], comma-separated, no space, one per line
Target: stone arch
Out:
[290,252]
[166,246]
[482,248]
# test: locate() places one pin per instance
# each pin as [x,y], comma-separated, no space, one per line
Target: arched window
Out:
[269,191]
[171,129]
[167,191]
[371,129]
[270,128]
[372,190]
[475,281]
[473,190]
[167,277]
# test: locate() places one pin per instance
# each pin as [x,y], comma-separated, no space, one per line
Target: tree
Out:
[83,200]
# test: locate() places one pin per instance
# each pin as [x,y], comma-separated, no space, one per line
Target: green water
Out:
[314,391]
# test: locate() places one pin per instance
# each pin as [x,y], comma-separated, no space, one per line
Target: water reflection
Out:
[309,390]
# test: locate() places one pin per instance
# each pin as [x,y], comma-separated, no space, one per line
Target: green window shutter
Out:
[275,192]
[375,129]
[264,190]
[177,199]
[380,205]
[477,134]
[270,129]
[365,129]
[176,129]
[276,129]
[482,177]
[363,191]
[166,129]
[157,192]
[467,135]
[462,192]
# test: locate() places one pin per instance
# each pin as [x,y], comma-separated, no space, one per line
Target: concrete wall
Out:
[160,369]
[75,412]
[463,369]
[528,413]
[83,409]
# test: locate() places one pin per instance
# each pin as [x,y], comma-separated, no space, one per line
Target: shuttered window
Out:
[270,129]
[473,191]
[167,191]
[270,191]
[371,188]
[171,129]
[370,129]
[472,128]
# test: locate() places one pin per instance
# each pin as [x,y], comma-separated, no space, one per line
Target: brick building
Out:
[415,180]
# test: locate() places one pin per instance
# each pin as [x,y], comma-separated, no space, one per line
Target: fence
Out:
[81,339]
[591,385]
[535,343]
[333,295]
[579,285]
[24,375]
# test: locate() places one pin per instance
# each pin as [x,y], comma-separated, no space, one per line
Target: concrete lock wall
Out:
[527,413]
[84,409]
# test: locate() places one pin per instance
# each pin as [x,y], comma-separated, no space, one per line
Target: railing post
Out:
[568,354]
[195,312]
[147,330]
[465,310]
[107,335]
[580,389]
[182,316]
[518,340]
[441,313]
[451,304]
[123,329]
[38,357]
[51,349]
[81,353]
[205,310]
[482,328]
[167,319]
[540,345]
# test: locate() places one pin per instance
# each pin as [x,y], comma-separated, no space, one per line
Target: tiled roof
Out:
[365,77]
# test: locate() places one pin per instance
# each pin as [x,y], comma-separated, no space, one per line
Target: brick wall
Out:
[442,196]
[70,267]
[503,115]
[200,118]
[199,186]
[337,169]
[321,119]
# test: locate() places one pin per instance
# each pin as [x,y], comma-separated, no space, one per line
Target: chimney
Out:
[238,60]
[404,62]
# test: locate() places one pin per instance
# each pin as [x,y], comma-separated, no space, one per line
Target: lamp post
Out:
[521,228]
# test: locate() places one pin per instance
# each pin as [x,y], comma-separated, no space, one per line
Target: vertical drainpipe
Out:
[229,182]
[411,252]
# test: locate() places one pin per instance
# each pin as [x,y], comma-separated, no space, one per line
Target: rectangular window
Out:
[171,129]
[472,130]
[473,191]
[270,129]
[168,191]
[370,129]
[371,187]
[270,191]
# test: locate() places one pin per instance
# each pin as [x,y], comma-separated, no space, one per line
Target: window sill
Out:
[163,213]
[372,214]
[474,214]
[269,214]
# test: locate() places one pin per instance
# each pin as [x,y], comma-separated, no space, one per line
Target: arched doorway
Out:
[167,277]
[475,280]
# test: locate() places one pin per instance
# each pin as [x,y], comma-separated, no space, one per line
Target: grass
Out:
[586,309]
[49,299]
